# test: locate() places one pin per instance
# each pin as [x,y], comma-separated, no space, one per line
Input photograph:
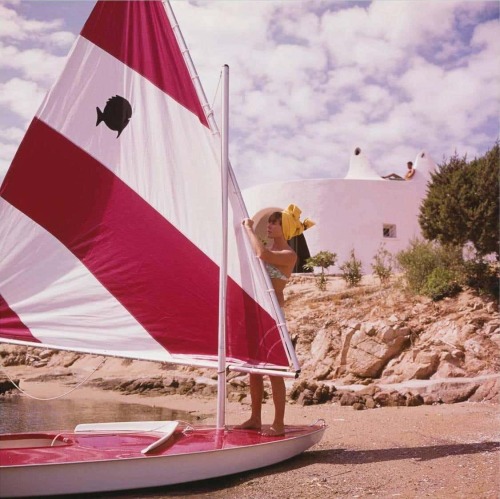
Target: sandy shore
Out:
[443,451]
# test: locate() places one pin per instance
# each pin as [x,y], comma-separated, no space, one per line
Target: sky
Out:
[310,80]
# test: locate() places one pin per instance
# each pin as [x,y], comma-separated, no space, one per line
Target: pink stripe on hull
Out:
[133,251]
[139,35]
[11,325]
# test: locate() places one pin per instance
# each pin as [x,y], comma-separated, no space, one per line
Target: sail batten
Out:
[110,212]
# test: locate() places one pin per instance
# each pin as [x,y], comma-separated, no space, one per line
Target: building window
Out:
[389,230]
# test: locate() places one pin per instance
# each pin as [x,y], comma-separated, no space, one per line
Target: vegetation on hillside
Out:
[352,270]
[462,203]
[323,260]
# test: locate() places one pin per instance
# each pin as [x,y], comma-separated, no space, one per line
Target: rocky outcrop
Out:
[367,347]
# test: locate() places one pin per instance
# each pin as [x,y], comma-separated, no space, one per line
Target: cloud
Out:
[21,96]
[17,28]
[34,64]
[310,81]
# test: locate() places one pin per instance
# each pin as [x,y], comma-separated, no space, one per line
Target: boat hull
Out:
[70,462]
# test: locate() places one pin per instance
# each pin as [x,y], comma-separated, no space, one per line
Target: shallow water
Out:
[20,413]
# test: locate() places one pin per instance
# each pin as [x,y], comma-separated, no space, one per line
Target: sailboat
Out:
[120,235]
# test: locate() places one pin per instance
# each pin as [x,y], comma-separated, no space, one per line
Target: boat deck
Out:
[71,447]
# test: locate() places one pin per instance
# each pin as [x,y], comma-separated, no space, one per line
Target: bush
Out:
[482,276]
[351,270]
[323,259]
[382,264]
[440,283]
[422,258]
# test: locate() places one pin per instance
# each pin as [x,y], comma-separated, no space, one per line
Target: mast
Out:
[221,371]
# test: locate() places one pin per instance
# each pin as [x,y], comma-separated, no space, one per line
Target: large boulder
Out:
[372,346]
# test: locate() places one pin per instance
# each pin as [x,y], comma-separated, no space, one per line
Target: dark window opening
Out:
[389,230]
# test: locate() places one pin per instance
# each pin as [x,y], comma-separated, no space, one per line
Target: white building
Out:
[361,211]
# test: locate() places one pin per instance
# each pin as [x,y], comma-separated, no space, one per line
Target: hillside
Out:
[366,346]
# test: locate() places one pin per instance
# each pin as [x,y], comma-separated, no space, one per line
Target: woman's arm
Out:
[280,257]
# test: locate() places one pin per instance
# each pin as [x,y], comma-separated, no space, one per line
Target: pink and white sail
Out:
[110,233]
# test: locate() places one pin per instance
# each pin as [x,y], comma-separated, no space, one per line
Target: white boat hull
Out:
[124,472]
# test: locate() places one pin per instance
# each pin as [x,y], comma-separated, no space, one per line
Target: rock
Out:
[450,394]
[320,346]
[489,391]
[369,390]
[322,395]
[306,397]
[449,370]
[370,402]
[414,399]
[323,370]
[368,355]
[426,364]
[349,398]
[39,363]
[382,399]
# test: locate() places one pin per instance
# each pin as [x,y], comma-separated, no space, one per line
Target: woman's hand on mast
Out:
[247,223]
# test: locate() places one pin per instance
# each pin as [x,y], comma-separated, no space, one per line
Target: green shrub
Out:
[482,276]
[440,283]
[323,259]
[351,270]
[382,264]
[423,257]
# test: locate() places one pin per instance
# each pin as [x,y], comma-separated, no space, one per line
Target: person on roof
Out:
[408,176]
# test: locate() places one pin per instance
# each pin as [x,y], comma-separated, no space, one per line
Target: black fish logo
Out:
[116,114]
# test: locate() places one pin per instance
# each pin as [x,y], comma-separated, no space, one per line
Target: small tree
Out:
[351,270]
[462,203]
[323,259]
[382,264]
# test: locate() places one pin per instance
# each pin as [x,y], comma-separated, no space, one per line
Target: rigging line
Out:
[216,93]
[57,396]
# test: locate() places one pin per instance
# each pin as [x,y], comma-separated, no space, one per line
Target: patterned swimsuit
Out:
[275,273]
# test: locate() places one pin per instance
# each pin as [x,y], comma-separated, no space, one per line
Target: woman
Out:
[279,261]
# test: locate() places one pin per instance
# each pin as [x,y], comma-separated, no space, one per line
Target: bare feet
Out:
[249,424]
[274,431]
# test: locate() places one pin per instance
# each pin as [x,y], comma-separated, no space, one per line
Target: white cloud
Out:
[13,26]
[61,39]
[310,81]
[34,64]
[12,133]
[21,97]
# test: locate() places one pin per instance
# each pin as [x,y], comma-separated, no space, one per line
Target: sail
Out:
[110,214]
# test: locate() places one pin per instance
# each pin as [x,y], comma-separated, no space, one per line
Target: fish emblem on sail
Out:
[116,114]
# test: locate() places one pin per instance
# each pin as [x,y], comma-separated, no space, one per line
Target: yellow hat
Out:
[291,224]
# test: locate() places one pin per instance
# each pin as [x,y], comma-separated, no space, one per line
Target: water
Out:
[19,413]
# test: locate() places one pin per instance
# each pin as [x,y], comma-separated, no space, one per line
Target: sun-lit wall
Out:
[361,211]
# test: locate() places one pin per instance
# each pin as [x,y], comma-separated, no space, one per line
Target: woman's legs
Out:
[256,394]
[279,400]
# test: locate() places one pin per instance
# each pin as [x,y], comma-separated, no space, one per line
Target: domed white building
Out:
[361,211]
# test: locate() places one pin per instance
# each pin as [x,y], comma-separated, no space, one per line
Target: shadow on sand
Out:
[329,456]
